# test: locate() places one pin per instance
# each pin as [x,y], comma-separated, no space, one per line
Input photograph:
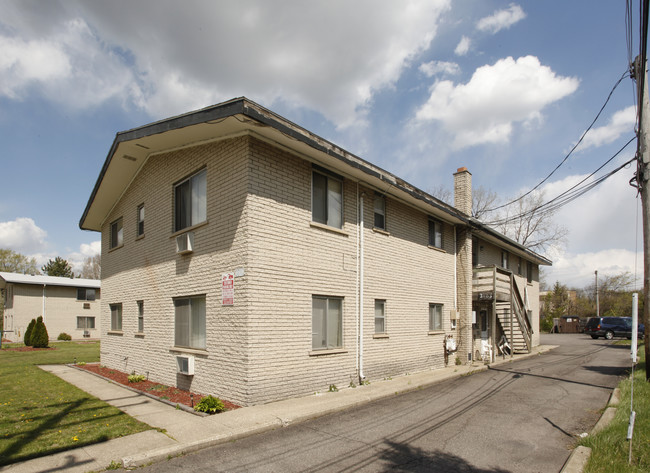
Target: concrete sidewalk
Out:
[185,432]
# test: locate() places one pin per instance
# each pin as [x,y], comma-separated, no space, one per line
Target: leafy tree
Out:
[92,267]
[12,262]
[58,267]
[27,338]
[39,337]
[556,304]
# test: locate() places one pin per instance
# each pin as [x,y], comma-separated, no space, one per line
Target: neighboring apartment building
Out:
[67,305]
[246,257]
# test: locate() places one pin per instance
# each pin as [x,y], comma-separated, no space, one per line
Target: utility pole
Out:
[597,303]
[643,181]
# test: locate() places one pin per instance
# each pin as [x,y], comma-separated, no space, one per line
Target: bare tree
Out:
[443,193]
[531,225]
[482,201]
[92,267]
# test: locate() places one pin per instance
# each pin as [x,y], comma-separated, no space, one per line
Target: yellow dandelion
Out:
[75,439]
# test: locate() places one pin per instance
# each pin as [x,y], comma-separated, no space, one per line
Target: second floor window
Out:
[327,200]
[190,198]
[380,212]
[117,234]
[435,233]
[141,220]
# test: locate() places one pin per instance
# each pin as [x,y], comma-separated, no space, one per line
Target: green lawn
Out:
[41,414]
[610,447]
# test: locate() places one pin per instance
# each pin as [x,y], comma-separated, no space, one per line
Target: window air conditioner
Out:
[185,364]
[185,243]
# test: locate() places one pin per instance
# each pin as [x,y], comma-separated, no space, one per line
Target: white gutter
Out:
[361,226]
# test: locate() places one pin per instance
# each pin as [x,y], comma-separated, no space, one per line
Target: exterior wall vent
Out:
[185,364]
[185,243]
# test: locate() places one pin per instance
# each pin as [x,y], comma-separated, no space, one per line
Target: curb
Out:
[580,455]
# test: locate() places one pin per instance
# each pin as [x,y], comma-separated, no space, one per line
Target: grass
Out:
[40,414]
[610,447]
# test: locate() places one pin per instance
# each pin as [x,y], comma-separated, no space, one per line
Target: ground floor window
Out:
[380,316]
[85,323]
[189,322]
[326,322]
[116,317]
[435,317]
[140,316]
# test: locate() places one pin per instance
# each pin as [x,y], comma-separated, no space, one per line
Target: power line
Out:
[625,74]
[570,194]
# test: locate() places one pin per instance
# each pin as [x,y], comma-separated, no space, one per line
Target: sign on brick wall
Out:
[227,289]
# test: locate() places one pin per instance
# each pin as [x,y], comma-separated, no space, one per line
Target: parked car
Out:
[610,327]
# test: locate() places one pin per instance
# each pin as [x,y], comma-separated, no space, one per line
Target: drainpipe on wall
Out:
[361,226]
[44,296]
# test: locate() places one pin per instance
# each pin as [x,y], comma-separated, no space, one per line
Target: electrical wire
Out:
[625,74]
[570,194]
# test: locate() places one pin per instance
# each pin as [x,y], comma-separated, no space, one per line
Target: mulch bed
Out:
[27,348]
[167,393]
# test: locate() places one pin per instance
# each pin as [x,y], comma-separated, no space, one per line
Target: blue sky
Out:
[419,88]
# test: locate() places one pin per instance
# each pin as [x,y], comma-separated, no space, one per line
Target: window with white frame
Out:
[190,198]
[435,317]
[140,216]
[380,316]
[327,199]
[326,322]
[380,212]
[117,234]
[85,294]
[85,322]
[189,322]
[140,316]
[529,272]
[116,317]
[435,233]
[505,260]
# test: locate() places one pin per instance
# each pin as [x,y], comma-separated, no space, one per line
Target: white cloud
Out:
[501,19]
[433,68]
[22,235]
[86,250]
[485,109]
[576,270]
[622,122]
[170,57]
[604,232]
[463,46]
[70,67]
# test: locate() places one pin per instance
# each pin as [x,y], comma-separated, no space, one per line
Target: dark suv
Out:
[610,327]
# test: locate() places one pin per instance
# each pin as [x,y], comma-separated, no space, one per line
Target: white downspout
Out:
[361,226]
[43,311]
[456,271]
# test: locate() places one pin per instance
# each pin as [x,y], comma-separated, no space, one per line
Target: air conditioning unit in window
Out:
[185,364]
[185,243]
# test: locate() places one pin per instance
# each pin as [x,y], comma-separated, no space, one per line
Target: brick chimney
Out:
[463,190]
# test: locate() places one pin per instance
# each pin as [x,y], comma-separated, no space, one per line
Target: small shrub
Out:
[81,363]
[333,388]
[458,362]
[210,405]
[27,338]
[64,336]
[136,378]
[39,337]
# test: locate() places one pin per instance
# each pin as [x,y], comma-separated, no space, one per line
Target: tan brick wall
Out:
[259,220]
[149,269]
[61,311]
